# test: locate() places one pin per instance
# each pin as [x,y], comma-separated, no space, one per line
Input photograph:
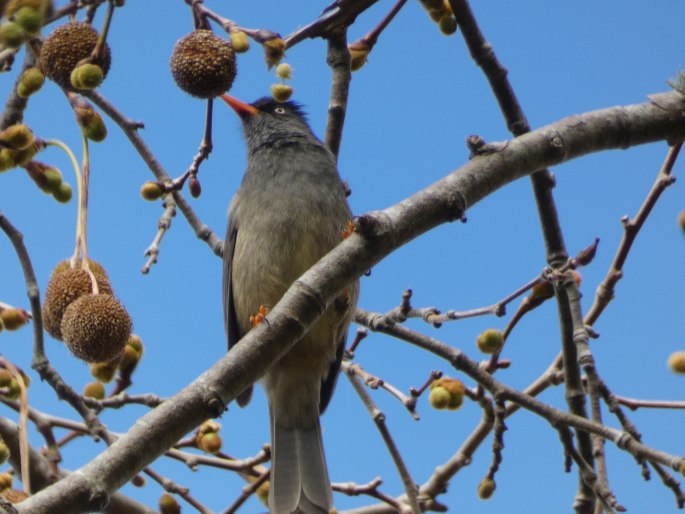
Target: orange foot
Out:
[260,316]
[347,232]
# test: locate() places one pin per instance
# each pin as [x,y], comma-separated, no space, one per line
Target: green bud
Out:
[29,19]
[87,76]
[239,41]
[63,193]
[17,137]
[31,81]
[11,34]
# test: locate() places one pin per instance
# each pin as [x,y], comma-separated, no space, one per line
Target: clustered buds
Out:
[90,121]
[17,146]
[94,325]
[126,362]
[490,341]
[69,47]
[203,64]
[447,393]
[9,383]
[49,180]
[282,92]
[24,19]
[207,437]
[440,12]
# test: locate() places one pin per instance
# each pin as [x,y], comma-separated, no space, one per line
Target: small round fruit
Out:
[486,488]
[676,361]
[168,504]
[104,371]
[439,397]
[284,71]
[210,443]
[87,76]
[281,92]
[151,191]
[66,47]
[239,41]
[96,327]
[490,341]
[12,319]
[64,288]
[63,193]
[203,64]
[30,20]
[11,34]
[95,390]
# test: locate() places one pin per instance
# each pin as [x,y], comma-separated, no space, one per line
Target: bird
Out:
[288,212]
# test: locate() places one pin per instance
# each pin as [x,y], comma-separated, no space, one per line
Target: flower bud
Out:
[490,341]
[239,41]
[151,191]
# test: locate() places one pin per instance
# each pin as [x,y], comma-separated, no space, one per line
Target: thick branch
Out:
[377,235]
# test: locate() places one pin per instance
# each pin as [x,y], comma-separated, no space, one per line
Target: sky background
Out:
[410,109]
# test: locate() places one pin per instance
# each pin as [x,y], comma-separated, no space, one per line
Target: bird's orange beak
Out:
[241,108]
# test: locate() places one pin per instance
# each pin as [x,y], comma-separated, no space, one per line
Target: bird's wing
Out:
[230,319]
[328,383]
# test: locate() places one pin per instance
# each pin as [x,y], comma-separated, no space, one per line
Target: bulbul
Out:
[289,212]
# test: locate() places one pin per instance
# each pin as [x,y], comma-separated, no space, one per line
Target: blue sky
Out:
[410,109]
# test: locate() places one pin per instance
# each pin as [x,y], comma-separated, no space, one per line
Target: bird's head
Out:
[267,121]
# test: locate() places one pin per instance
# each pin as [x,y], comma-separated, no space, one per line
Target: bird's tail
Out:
[299,477]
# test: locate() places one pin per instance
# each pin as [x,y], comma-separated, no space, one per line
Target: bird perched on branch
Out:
[288,213]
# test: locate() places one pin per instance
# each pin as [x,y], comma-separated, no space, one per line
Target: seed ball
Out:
[203,64]
[96,327]
[66,47]
[65,287]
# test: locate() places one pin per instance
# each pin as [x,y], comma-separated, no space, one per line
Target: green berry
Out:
[63,193]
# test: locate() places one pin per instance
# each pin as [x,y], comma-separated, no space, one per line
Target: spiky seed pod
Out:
[203,64]
[96,327]
[31,81]
[66,47]
[94,266]
[14,496]
[63,289]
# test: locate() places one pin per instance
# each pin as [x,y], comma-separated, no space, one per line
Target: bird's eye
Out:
[279,110]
